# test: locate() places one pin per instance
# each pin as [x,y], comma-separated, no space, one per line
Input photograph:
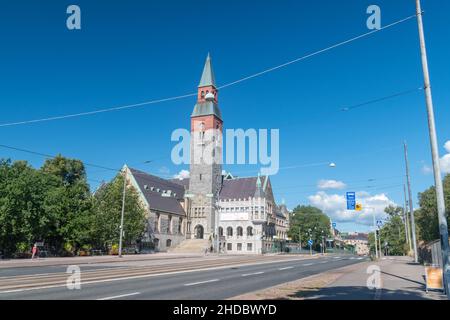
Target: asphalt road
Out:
[217,282]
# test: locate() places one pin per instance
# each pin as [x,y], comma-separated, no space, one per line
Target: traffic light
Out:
[358,207]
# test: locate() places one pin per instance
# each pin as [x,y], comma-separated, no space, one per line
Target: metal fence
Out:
[430,253]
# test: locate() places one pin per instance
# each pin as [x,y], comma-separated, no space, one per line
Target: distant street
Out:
[182,278]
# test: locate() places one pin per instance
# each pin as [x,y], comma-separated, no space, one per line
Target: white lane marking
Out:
[324,261]
[307,264]
[200,282]
[252,274]
[120,296]
[359,258]
[285,268]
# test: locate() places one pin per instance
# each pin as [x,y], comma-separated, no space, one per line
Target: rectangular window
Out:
[239,247]
[229,246]
[249,247]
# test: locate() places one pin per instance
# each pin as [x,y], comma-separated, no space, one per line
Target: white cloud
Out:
[183,174]
[335,206]
[445,160]
[426,169]
[330,184]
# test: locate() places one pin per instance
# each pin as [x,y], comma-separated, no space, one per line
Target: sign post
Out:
[310,242]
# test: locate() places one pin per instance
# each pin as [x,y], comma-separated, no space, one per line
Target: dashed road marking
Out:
[252,274]
[307,264]
[285,268]
[120,296]
[200,282]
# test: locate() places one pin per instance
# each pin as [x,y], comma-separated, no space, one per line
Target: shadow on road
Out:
[358,293]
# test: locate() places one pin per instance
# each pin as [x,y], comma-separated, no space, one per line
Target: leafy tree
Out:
[108,207]
[22,194]
[393,234]
[426,217]
[68,202]
[309,222]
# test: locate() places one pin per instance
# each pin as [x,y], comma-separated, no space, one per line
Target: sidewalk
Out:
[401,279]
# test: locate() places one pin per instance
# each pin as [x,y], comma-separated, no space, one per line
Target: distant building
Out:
[360,241]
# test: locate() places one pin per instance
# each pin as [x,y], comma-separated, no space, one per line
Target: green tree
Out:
[107,208]
[426,217]
[393,234]
[309,222]
[22,194]
[68,202]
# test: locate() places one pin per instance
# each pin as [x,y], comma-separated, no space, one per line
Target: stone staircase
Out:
[191,246]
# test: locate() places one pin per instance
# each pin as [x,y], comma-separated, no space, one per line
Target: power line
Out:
[129,106]
[52,157]
[401,93]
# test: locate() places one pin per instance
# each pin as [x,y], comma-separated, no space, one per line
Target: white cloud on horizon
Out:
[445,160]
[335,206]
[330,184]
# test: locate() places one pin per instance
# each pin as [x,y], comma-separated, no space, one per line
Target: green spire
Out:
[208,78]
[258,182]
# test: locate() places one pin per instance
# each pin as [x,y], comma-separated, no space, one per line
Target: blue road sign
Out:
[379,223]
[351,200]
[334,224]
[310,242]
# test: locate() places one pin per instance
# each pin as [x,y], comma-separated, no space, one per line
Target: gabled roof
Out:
[149,185]
[208,78]
[239,188]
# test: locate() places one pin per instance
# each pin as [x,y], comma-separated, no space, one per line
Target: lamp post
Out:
[123,210]
[215,200]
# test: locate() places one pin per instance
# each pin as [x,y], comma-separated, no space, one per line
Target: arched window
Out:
[220,231]
[168,243]
[239,231]
[229,231]
[203,93]
[249,231]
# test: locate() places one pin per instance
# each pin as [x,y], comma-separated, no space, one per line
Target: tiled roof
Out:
[239,188]
[156,201]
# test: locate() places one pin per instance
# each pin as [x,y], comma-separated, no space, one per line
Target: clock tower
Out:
[206,157]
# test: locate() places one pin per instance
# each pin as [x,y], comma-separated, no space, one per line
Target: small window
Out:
[200,176]
[229,246]
[249,247]
[239,247]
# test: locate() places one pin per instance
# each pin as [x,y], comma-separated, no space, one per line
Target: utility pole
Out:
[379,241]
[411,209]
[443,229]
[405,212]
[375,233]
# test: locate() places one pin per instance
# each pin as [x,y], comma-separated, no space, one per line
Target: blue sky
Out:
[134,51]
